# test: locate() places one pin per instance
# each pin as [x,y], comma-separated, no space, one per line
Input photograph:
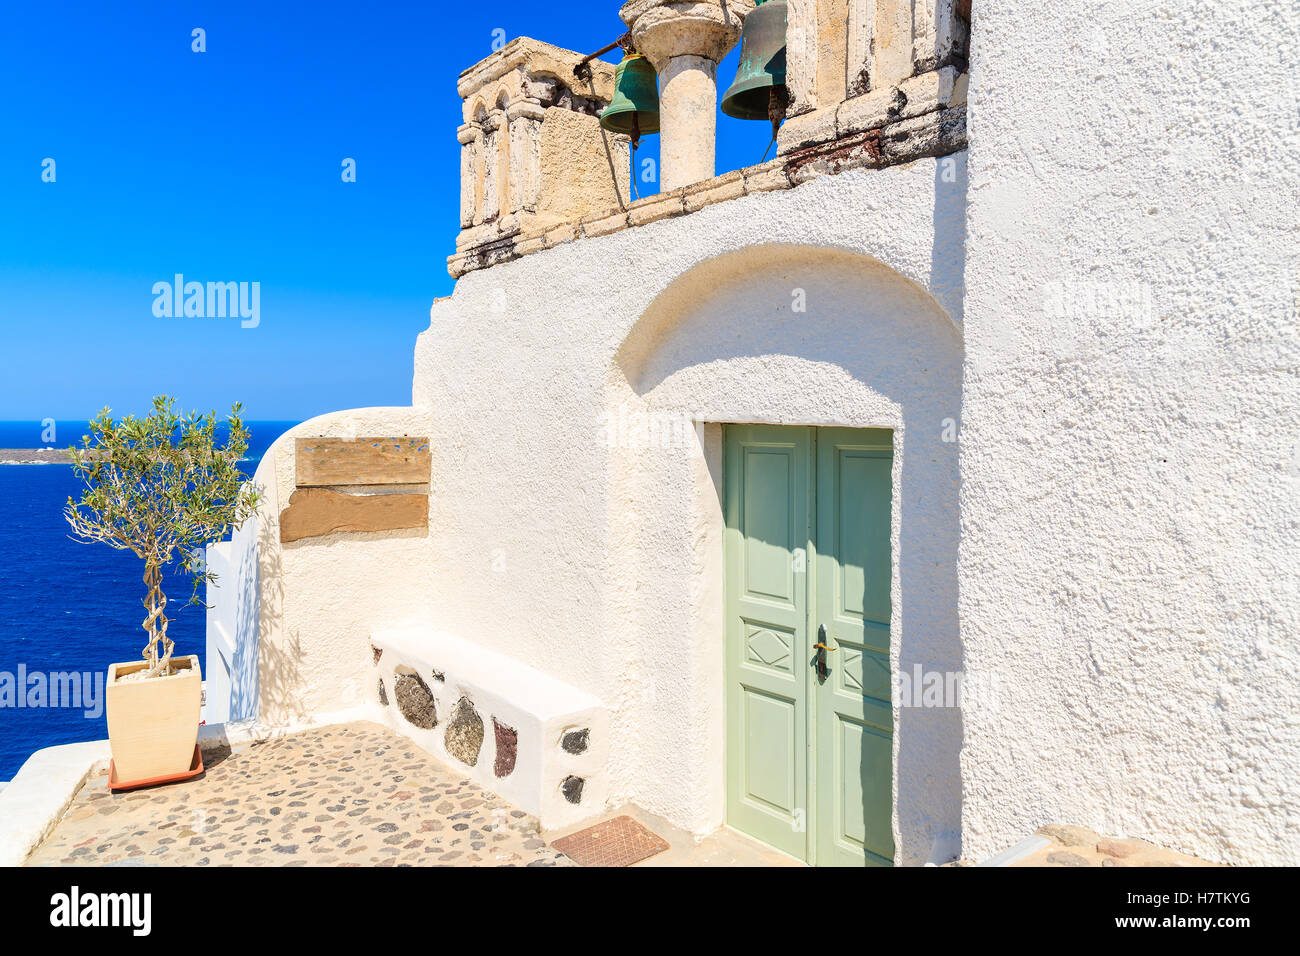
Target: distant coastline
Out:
[46,442]
[46,456]
[34,456]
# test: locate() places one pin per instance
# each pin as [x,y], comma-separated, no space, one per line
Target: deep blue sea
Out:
[67,605]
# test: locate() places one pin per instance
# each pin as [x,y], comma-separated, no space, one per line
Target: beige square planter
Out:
[153,725]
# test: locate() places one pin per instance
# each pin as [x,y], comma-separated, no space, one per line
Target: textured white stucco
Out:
[1129,560]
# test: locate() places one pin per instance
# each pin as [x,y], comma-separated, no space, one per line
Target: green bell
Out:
[762,64]
[634,110]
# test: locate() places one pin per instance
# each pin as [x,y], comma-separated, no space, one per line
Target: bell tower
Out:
[533,154]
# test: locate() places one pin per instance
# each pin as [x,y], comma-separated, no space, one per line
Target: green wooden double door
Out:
[809,717]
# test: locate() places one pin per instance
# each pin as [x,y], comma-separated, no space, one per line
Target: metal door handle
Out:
[821,640]
[821,648]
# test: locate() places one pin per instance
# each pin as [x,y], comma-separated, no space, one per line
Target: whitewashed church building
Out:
[933,481]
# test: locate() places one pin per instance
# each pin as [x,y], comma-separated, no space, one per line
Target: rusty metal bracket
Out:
[582,69]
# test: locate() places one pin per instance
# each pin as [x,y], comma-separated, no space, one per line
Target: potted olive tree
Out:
[162,488]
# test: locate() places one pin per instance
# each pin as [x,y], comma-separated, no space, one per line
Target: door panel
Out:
[768,517]
[853,706]
[768,494]
[810,762]
[771,776]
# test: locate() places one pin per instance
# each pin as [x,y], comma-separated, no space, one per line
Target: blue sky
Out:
[225,166]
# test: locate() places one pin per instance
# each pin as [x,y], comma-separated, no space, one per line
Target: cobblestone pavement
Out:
[356,795]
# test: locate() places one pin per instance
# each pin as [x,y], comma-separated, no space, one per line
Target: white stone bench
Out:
[536,741]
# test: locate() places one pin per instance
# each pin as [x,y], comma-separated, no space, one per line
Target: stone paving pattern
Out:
[355,795]
[1079,846]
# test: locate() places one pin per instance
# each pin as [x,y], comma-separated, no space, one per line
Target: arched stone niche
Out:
[783,335]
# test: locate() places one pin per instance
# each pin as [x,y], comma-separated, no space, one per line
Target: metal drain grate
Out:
[618,842]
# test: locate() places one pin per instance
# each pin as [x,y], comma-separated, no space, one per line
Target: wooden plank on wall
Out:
[314,512]
[322,462]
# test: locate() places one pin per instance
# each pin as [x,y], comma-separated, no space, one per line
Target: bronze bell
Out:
[634,110]
[760,81]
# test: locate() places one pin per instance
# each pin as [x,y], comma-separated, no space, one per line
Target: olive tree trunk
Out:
[158,652]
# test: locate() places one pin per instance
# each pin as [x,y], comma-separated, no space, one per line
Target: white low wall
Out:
[230,676]
[534,740]
[32,803]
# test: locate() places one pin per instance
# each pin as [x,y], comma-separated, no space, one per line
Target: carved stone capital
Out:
[664,29]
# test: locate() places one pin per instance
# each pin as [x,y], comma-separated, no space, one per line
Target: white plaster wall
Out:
[601,567]
[1130,477]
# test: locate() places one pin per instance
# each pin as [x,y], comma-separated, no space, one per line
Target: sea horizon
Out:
[28,434]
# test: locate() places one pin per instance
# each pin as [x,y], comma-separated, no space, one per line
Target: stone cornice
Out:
[539,59]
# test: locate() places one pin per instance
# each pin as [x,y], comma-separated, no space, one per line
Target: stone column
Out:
[939,29]
[801,55]
[493,129]
[684,41]
[525,124]
[470,136]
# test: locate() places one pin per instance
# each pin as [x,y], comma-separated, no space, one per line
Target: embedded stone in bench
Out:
[465,733]
[507,748]
[549,744]
[575,741]
[415,701]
